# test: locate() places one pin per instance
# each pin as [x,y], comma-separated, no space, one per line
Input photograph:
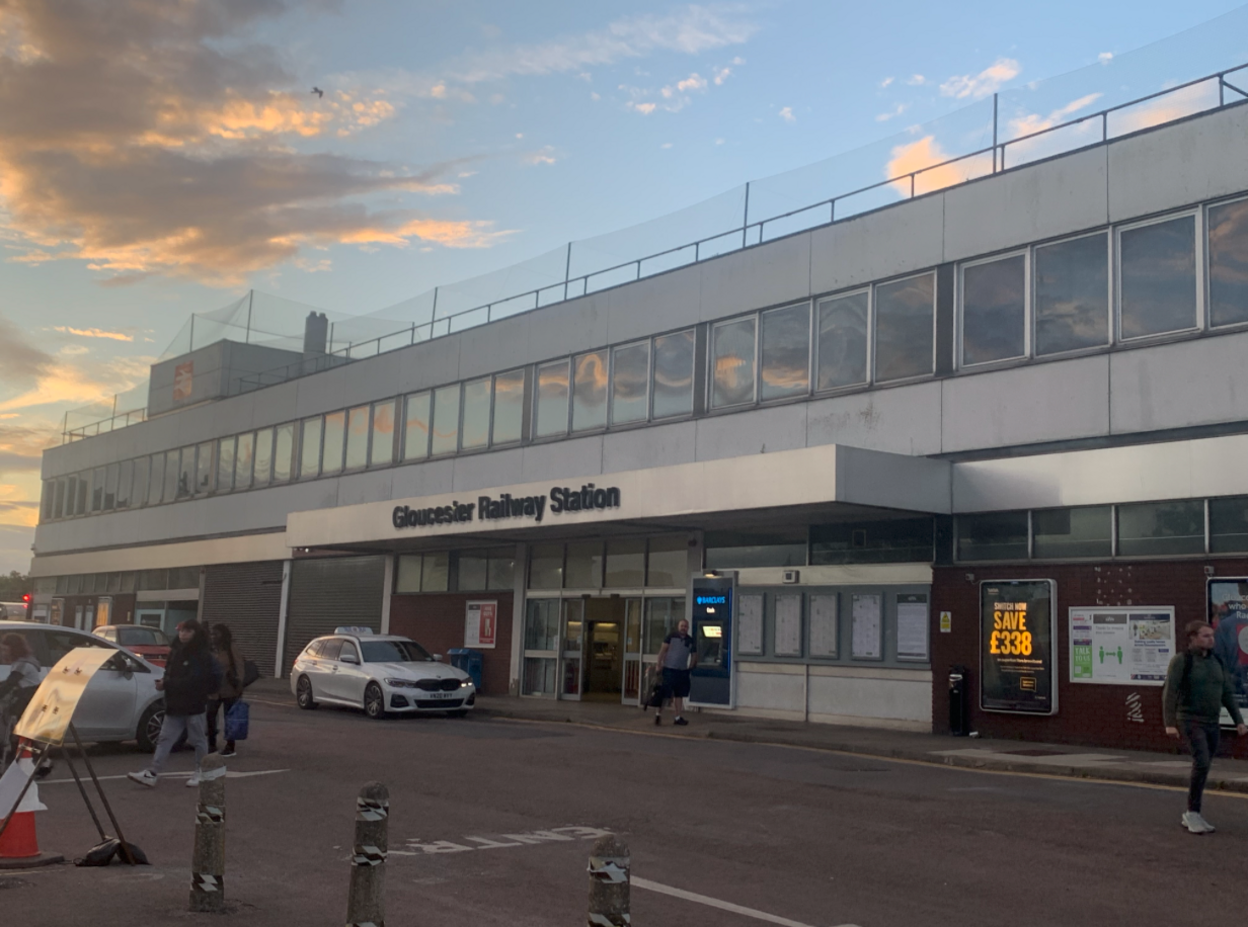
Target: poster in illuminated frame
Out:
[1018,646]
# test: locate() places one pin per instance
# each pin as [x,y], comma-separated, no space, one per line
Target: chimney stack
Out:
[315,334]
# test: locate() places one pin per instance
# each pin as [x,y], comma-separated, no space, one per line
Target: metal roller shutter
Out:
[325,594]
[248,598]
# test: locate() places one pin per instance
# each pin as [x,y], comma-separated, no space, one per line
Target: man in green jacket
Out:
[1197,686]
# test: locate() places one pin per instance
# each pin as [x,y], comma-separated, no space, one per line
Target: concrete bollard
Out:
[366,901]
[208,862]
[608,883]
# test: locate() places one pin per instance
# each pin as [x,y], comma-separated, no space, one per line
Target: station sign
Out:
[1018,636]
[505,506]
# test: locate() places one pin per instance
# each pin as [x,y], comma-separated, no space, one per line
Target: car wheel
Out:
[303,694]
[148,731]
[374,701]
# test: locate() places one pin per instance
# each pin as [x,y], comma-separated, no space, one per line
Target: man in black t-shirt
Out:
[677,657]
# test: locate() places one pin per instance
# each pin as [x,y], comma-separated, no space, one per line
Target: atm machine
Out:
[710,610]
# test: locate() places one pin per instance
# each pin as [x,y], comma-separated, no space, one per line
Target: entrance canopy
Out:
[684,495]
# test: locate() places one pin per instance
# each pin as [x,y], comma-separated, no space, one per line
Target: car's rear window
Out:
[143,637]
[394,652]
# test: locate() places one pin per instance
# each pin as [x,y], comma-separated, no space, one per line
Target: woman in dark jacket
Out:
[230,661]
[191,676]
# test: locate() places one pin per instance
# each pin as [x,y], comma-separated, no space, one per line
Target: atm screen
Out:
[710,644]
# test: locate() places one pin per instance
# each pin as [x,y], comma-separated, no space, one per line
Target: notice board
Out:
[1129,646]
[1018,633]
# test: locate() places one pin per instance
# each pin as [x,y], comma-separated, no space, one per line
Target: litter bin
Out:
[470,661]
[959,711]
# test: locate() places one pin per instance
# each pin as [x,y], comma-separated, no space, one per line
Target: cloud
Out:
[544,155]
[691,30]
[155,138]
[644,108]
[1184,102]
[92,333]
[925,152]
[1105,57]
[20,361]
[787,114]
[79,380]
[893,113]
[983,84]
[916,80]
[886,82]
[673,97]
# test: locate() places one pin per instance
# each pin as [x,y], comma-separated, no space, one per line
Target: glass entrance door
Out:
[630,690]
[572,649]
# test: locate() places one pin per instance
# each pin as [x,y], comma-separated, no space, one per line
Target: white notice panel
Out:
[824,626]
[912,624]
[1122,646]
[788,626]
[867,637]
[750,625]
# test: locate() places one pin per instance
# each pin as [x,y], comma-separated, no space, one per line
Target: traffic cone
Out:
[19,843]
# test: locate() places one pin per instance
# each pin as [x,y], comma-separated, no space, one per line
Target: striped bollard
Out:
[208,861]
[366,901]
[608,883]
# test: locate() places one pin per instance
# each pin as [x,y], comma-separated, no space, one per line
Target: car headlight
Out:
[465,683]
[401,683]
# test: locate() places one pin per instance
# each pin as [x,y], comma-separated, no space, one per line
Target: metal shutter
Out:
[247,597]
[325,594]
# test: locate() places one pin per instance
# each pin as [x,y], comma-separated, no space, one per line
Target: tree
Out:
[14,586]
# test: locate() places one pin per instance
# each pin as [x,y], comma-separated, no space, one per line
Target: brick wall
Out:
[1093,715]
[437,623]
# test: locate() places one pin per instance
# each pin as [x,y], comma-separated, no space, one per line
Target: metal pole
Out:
[250,296]
[366,898]
[192,347]
[609,883]
[208,861]
[108,809]
[994,134]
[85,797]
[567,272]
[745,217]
[434,314]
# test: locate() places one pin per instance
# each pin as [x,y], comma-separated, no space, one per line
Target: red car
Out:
[149,643]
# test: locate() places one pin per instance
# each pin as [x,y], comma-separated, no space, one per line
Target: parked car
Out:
[152,644]
[121,701]
[381,673]
[14,611]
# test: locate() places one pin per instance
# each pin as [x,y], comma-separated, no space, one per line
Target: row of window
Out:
[1179,273]
[1141,529]
[621,564]
[464,571]
[123,582]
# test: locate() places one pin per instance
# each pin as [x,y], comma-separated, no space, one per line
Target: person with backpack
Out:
[232,664]
[1197,687]
[191,677]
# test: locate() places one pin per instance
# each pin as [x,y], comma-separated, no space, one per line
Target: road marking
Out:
[416,847]
[178,775]
[717,903]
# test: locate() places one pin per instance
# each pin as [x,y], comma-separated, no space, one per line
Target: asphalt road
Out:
[492,821]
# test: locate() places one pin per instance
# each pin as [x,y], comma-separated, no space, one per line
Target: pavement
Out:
[492,818]
[1168,769]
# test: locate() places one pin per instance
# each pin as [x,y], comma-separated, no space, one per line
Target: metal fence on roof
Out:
[995,132]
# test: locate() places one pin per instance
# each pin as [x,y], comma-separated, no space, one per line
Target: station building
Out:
[1016,405]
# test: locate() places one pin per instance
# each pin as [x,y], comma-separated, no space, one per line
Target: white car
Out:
[121,701]
[381,673]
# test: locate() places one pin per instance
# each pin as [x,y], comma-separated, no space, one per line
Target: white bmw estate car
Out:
[381,673]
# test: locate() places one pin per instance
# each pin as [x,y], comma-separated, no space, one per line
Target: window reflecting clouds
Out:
[1072,294]
[381,450]
[673,374]
[842,341]
[508,406]
[335,433]
[357,438]
[1158,278]
[552,399]
[589,391]
[476,413]
[994,310]
[903,327]
[630,375]
[416,426]
[446,419]
[786,352]
[732,363]
[1228,263]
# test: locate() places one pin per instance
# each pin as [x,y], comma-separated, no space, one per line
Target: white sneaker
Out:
[1209,828]
[193,782]
[146,777]
[1193,822]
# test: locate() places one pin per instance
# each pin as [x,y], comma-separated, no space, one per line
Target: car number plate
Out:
[439,695]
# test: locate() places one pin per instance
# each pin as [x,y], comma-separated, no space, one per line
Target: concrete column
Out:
[517,619]
[281,619]
[388,588]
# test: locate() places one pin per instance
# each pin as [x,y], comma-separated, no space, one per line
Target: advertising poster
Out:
[1018,665]
[1121,646]
[1228,613]
[481,625]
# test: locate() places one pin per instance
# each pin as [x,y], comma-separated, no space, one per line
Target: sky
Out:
[162,157]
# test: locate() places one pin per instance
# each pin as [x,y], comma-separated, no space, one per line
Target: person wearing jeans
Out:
[191,676]
[1197,688]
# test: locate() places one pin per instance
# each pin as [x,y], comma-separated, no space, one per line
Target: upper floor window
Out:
[905,325]
[842,342]
[1157,286]
[1228,263]
[1071,294]
[785,352]
[732,363]
[994,309]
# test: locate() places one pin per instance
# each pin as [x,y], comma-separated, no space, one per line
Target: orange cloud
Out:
[924,153]
[93,333]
